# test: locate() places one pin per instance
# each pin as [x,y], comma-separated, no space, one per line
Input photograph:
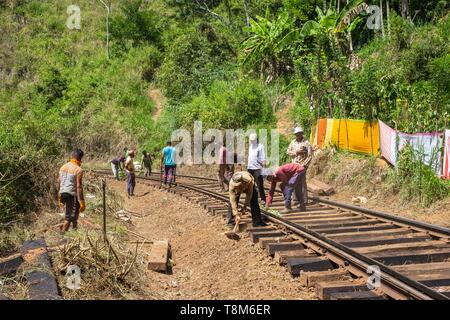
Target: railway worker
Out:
[243,182]
[168,160]
[130,171]
[146,163]
[70,190]
[116,165]
[223,167]
[301,152]
[256,162]
[290,176]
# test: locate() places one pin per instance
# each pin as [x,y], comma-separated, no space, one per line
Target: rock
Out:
[359,199]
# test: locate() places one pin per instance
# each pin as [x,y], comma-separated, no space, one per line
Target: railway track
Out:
[344,251]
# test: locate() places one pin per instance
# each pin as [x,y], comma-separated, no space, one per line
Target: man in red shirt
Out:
[290,176]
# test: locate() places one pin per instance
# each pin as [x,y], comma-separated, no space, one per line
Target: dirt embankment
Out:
[207,264]
[353,176]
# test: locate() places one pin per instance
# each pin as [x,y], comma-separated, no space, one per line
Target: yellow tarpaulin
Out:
[354,135]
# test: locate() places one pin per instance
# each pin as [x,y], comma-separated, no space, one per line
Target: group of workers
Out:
[126,163]
[291,176]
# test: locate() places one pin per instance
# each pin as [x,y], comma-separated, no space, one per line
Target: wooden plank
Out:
[296,265]
[325,289]
[42,284]
[265,228]
[433,279]
[10,266]
[340,224]
[159,256]
[401,246]
[272,248]
[309,279]
[357,295]
[256,235]
[405,239]
[408,256]
[320,220]
[263,242]
[381,226]
[311,214]
[410,269]
[329,217]
[281,256]
[370,236]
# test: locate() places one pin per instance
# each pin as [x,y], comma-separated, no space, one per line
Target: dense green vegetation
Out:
[225,62]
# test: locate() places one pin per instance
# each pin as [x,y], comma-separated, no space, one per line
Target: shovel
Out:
[233,235]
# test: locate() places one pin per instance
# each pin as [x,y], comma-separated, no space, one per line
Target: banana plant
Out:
[268,45]
[332,23]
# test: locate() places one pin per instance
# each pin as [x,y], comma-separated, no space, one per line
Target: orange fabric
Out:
[75,161]
[321,131]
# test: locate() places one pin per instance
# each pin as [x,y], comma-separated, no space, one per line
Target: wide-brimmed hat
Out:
[253,137]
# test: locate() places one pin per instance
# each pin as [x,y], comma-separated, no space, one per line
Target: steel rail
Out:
[408,287]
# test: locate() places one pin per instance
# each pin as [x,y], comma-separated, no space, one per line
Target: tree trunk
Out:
[247,18]
[404,9]
[387,18]
[382,18]
[227,4]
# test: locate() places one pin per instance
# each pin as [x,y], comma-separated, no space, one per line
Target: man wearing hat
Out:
[300,151]
[256,162]
[243,182]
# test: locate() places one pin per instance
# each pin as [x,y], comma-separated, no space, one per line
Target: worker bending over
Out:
[70,190]
[116,165]
[290,175]
[243,182]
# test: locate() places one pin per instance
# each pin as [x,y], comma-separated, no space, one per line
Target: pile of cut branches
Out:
[109,270]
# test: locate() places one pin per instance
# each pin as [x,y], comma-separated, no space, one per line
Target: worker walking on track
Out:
[290,175]
[116,165]
[223,167]
[301,152]
[70,190]
[256,162]
[168,160]
[130,171]
[243,182]
[146,163]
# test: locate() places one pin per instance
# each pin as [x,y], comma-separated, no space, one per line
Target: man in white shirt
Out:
[256,161]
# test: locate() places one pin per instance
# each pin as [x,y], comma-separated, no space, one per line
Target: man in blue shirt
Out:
[168,160]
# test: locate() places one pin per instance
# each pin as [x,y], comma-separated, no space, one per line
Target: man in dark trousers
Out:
[290,177]
[70,189]
[243,182]
[168,160]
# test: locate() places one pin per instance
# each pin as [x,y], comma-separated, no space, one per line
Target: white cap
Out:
[297,130]
[253,137]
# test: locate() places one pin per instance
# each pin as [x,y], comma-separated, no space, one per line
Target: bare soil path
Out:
[158,98]
[207,264]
